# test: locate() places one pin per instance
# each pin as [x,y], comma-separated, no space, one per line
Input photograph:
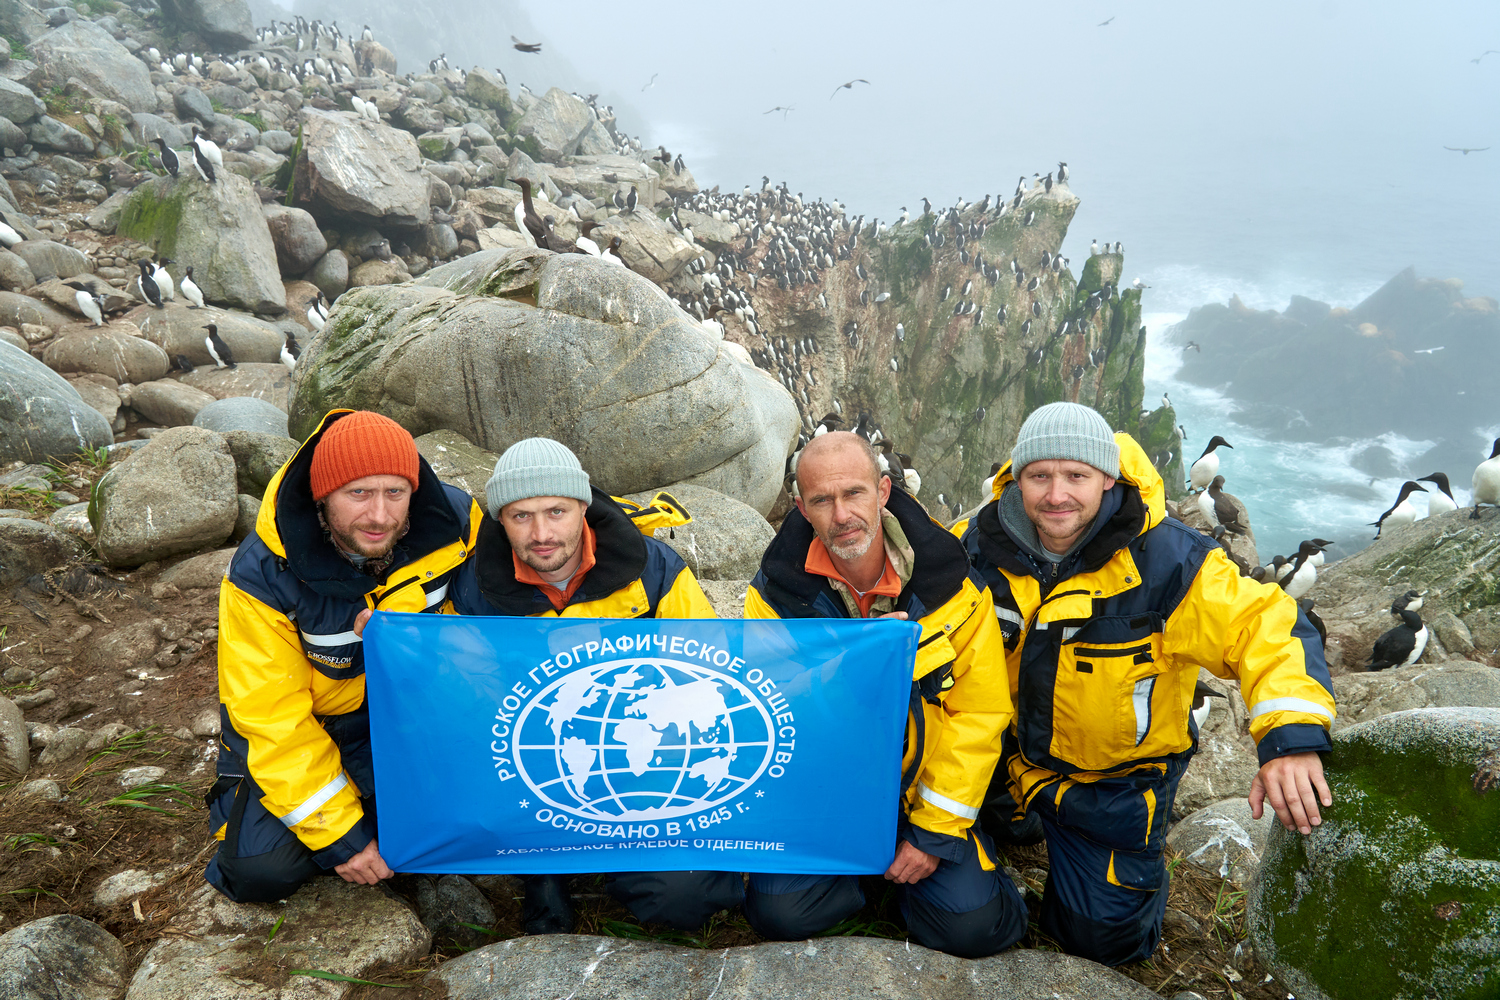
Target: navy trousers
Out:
[960,908]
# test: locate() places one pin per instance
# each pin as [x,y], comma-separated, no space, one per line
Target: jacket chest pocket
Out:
[1112,700]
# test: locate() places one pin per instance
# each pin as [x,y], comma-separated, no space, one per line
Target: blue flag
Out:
[559,745]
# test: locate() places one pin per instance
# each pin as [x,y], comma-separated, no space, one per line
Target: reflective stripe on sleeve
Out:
[333,639]
[437,596]
[1288,705]
[943,802]
[315,803]
[1007,615]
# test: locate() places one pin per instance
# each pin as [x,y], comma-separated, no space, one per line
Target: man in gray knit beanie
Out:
[1110,608]
[1064,461]
[554,546]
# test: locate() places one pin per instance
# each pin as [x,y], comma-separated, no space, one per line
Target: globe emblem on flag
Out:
[639,739]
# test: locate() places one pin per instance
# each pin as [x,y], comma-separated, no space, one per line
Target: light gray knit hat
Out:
[536,467]
[1066,431]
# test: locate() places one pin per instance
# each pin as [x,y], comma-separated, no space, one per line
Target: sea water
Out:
[1292,489]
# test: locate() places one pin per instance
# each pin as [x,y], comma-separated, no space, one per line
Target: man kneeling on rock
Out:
[857,548]
[555,547]
[356,520]
[1109,608]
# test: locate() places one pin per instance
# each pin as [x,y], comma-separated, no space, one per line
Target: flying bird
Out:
[780,108]
[1466,150]
[846,86]
[521,46]
[1102,24]
[1486,52]
[649,83]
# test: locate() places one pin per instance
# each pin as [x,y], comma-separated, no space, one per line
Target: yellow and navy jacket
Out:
[634,576]
[1103,651]
[960,701]
[291,669]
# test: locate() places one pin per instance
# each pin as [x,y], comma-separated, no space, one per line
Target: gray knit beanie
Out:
[536,467]
[1066,431]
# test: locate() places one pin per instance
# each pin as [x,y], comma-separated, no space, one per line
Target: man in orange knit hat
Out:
[355,520]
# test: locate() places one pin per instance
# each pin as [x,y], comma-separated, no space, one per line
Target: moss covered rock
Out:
[216,228]
[1397,894]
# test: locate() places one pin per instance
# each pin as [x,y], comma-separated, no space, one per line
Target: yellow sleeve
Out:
[756,606]
[685,599]
[1237,628]
[265,683]
[964,731]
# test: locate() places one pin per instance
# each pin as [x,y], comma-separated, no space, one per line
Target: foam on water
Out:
[1294,490]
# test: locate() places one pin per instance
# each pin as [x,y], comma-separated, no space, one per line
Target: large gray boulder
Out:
[41,415]
[177,329]
[649,245]
[354,169]
[1224,838]
[225,23]
[1454,683]
[724,540]
[1222,768]
[177,494]
[259,380]
[1397,893]
[456,460]
[84,50]
[168,402]
[18,104]
[259,456]
[330,925]
[488,90]
[242,413]
[603,361]
[217,228]
[62,958]
[28,547]
[555,122]
[299,242]
[107,350]
[49,259]
[831,968]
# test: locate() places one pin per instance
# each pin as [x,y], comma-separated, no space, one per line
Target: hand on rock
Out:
[367,867]
[1294,785]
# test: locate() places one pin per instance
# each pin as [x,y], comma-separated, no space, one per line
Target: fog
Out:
[1263,149]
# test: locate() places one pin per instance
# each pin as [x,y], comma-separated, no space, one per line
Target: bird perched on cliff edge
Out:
[1401,512]
[1486,483]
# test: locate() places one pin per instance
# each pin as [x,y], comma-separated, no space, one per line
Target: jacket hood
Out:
[619,559]
[941,565]
[288,523]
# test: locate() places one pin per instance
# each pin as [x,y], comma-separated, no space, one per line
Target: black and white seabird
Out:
[180,363]
[217,349]
[150,291]
[206,155]
[89,304]
[530,223]
[1402,511]
[190,289]
[1401,646]
[168,157]
[315,315]
[1206,467]
[1441,501]
[290,352]
[518,45]
[1409,601]
[1219,509]
[1486,483]
[632,199]
[164,279]
[1304,572]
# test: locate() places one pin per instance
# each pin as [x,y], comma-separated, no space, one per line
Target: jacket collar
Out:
[619,560]
[938,573]
[288,524]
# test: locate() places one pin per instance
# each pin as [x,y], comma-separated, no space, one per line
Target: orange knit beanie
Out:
[359,445]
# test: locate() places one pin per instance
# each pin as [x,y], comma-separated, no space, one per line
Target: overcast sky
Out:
[1259,144]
